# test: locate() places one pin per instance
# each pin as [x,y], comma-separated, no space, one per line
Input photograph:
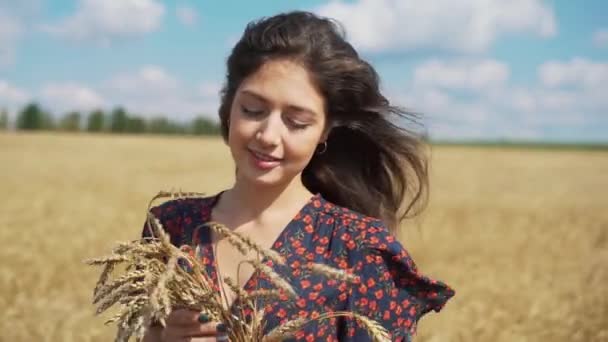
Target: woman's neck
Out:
[256,203]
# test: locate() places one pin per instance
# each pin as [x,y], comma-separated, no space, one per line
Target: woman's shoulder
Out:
[181,215]
[350,221]
[392,289]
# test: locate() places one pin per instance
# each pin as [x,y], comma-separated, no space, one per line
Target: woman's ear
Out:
[324,137]
[329,126]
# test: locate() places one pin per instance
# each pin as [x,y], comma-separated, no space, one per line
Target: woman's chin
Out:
[255,177]
[274,177]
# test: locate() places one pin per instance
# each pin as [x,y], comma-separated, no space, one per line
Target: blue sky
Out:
[476,69]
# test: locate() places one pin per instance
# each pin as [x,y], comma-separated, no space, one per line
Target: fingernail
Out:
[203,318]
[221,328]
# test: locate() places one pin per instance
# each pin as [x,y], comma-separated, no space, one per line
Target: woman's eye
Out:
[297,125]
[251,112]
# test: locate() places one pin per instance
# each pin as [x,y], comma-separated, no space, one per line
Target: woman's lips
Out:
[264,156]
[263,161]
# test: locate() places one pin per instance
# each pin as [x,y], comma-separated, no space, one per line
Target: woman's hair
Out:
[372,164]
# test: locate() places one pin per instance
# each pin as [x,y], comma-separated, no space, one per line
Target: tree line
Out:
[32,117]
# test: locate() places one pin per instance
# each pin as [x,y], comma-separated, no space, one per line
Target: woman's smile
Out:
[263,161]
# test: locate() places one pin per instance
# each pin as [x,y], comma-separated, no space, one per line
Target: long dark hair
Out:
[372,164]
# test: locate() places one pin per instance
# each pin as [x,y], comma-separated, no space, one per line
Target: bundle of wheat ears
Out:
[147,278]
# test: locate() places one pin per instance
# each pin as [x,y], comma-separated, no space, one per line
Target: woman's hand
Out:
[184,325]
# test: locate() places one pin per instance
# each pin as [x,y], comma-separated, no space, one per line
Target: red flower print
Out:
[364,302]
[345,237]
[373,305]
[379,294]
[351,245]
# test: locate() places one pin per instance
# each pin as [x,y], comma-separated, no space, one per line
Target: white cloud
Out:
[16,17]
[576,72]
[600,38]
[149,79]
[148,91]
[12,95]
[173,106]
[470,75]
[152,90]
[210,89]
[457,25]
[187,15]
[11,29]
[103,21]
[63,97]
[570,103]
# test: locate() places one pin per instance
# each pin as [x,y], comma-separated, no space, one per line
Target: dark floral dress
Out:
[391,290]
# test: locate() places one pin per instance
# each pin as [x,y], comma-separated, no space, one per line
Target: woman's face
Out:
[277,119]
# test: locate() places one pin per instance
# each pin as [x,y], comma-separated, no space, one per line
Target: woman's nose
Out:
[269,132]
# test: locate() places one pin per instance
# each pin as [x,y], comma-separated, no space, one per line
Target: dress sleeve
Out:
[392,291]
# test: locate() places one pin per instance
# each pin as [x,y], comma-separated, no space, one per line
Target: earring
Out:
[324,148]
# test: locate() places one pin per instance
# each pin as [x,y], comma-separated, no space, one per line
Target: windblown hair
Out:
[372,164]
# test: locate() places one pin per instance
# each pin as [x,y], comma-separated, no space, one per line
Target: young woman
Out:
[323,173]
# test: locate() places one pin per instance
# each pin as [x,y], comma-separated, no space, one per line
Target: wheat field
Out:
[521,234]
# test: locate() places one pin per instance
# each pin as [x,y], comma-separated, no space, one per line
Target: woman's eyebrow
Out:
[292,107]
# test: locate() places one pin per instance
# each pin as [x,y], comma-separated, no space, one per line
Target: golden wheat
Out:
[521,234]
